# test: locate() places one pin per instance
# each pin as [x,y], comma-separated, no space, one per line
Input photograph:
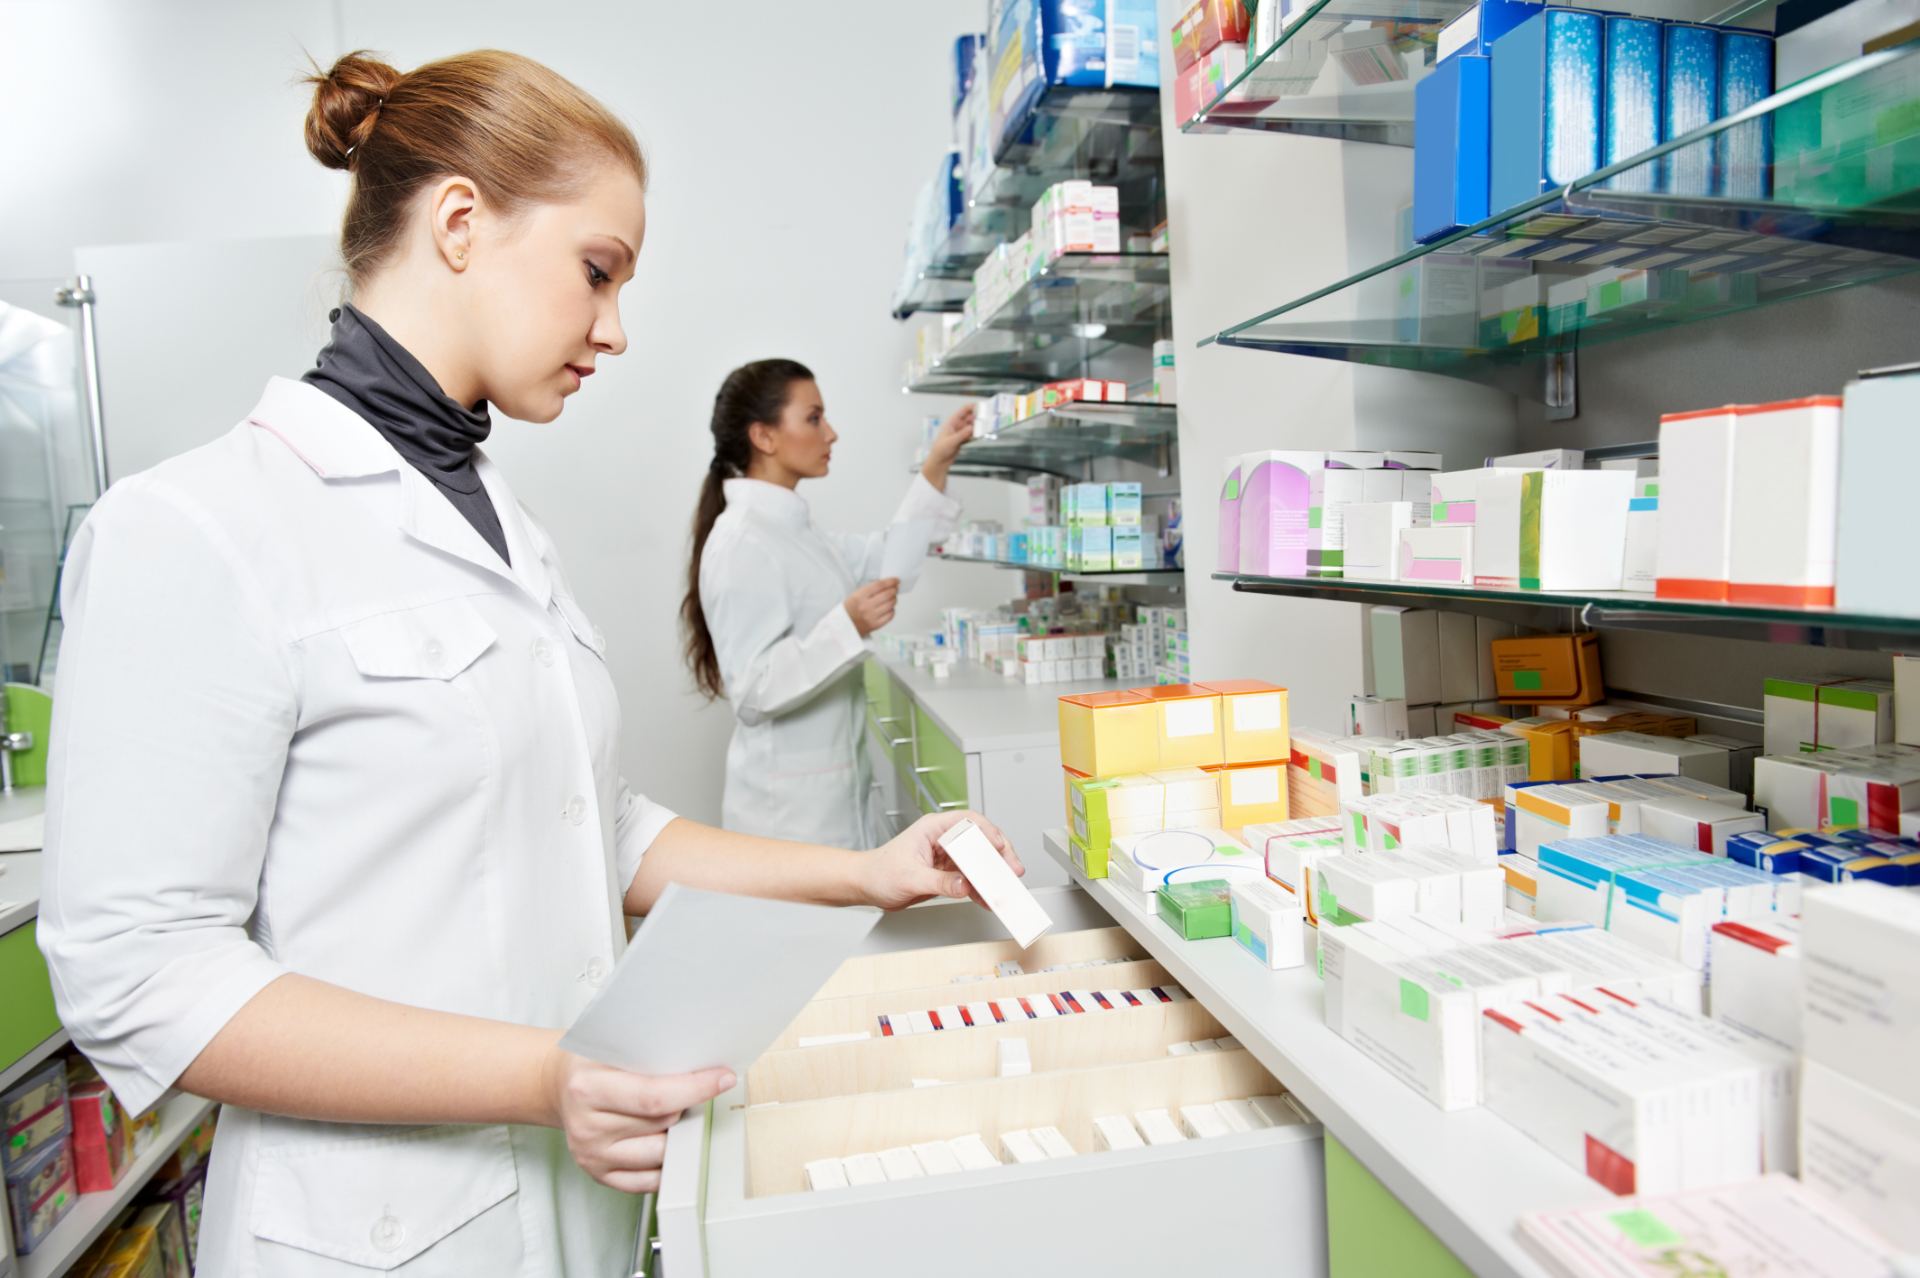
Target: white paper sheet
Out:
[905,551]
[712,979]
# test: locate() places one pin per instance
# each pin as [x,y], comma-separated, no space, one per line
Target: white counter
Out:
[22,819]
[1467,1175]
[981,710]
[19,889]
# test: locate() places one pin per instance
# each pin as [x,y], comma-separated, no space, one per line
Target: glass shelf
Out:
[1826,194]
[1340,69]
[1074,434]
[1119,577]
[1074,122]
[1603,609]
[1077,309]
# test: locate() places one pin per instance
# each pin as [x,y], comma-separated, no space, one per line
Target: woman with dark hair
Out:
[336,829]
[777,611]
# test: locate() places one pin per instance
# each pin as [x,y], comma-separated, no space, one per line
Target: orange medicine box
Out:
[1252,794]
[1253,717]
[1557,670]
[1109,734]
[1549,747]
[1187,720]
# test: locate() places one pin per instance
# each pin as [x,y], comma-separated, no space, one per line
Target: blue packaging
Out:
[1632,117]
[1451,126]
[1546,92]
[1037,44]
[1691,97]
[1133,51]
[1476,30]
[966,53]
[1743,154]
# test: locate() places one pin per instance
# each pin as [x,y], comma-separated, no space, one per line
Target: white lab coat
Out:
[774,591]
[307,721]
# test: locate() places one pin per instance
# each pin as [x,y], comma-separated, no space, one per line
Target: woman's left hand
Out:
[955,431]
[912,868]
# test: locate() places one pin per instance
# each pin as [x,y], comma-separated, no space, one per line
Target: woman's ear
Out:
[760,435]
[451,207]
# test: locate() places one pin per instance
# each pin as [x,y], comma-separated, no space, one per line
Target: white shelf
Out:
[1466,1175]
[981,710]
[90,1219]
[35,1056]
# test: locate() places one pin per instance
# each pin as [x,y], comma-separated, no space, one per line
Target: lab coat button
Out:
[435,652]
[388,1233]
[596,971]
[577,810]
[543,652]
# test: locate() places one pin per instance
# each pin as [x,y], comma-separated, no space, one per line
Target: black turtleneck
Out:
[365,369]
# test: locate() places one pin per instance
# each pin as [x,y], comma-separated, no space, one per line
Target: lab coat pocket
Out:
[379,1201]
[433,641]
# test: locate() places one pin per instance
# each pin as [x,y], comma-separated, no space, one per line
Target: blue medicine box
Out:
[1743,154]
[1475,31]
[1451,124]
[1632,120]
[1546,91]
[1690,100]
[967,52]
[1037,44]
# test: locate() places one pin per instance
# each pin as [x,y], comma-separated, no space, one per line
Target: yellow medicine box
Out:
[1549,747]
[1548,670]
[1252,794]
[1109,734]
[1253,718]
[1187,721]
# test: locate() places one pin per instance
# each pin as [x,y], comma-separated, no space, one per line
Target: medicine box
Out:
[1269,923]
[1099,808]
[1806,715]
[1322,773]
[1452,124]
[1373,539]
[1572,528]
[1377,717]
[101,1135]
[1690,97]
[1540,459]
[1743,154]
[41,1191]
[1187,725]
[1276,495]
[1253,719]
[41,1092]
[1756,977]
[1697,823]
[1622,753]
[1479,25]
[1439,555]
[1697,459]
[1252,794]
[999,888]
[1872,795]
[1338,482]
[1455,495]
[1860,1145]
[1633,65]
[1198,910]
[1143,862]
[1880,456]
[1406,654]
[1545,103]
[1106,734]
[1640,569]
[1786,474]
[1562,670]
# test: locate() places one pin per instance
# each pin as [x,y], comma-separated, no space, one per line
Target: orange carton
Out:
[1253,717]
[1558,670]
[1549,747]
[1251,794]
[1109,734]
[1187,721]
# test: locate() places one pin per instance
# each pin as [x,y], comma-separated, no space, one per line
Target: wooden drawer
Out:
[734,1202]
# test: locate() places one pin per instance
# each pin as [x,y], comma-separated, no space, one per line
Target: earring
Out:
[459,255]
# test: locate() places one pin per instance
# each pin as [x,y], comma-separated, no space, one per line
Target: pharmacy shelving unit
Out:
[1466,1175]
[1806,219]
[1113,577]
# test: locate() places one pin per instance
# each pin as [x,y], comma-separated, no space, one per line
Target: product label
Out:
[1257,713]
[1254,785]
[1189,718]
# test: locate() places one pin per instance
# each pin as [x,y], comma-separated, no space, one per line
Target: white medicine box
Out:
[1786,478]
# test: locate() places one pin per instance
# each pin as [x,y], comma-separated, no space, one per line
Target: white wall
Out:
[785,163]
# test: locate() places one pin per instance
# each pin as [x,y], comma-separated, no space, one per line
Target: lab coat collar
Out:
[337,443]
[773,502]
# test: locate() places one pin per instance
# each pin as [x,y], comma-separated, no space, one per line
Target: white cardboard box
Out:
[1543,459]
[1701,824]
[1635,753]
[1373,537]
[1696,503]
[1878,455]
[1269,922]
[1571,528]
[976,857]
[1906,698]
[1862,1012]
[1861,1147]
[1439,555]
[1641,569]
[1406,654]
[1755,977]
[1786,480]
[1496,530]
[1740,757]
[1459,660]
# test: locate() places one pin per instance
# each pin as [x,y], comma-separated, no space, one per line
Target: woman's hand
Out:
[616,1121]
[871,606]
[955,431]
[912,868]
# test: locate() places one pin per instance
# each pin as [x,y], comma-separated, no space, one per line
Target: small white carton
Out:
[1696,504]
[1636,753]
[1862,1011]
[1861,1147]
[1438,555]
[1373,537]
[976,858]
[1786,482]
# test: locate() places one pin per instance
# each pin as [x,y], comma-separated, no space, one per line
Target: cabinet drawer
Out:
[940,764]
[1250,1202]
[27,1016]
[965,964]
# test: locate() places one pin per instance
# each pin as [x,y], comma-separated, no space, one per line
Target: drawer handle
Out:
[951,805]
[922,771]
[894,743]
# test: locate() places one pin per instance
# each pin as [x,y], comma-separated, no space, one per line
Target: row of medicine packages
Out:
[1526,98]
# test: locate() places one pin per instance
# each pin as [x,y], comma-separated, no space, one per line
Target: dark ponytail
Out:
[755,392]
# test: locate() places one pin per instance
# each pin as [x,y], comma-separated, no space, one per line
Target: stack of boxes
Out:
[997,412]
[1285,514]
[1069,217]
[1104,527]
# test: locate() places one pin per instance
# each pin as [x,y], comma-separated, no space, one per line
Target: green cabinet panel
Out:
[29,710]
[942,767]
[1369,1233]
[27,1018]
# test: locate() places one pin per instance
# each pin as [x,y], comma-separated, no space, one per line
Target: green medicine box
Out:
[1090,862]
[1198,911]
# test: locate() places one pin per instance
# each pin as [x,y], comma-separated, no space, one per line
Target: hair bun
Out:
[346,102]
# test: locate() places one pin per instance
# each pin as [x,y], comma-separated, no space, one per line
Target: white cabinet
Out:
[735,1203]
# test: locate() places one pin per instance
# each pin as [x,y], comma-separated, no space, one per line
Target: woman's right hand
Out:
[616,1121]
[871,606]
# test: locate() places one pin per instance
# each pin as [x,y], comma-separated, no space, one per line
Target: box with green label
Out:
[1201,910]
[1549,670]
[1807,715]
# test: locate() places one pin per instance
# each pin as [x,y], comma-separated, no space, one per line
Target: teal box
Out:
[1123,504]
[1129,549]
[1743,154]
[1633,72]
[1690,98]
[1198,911]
